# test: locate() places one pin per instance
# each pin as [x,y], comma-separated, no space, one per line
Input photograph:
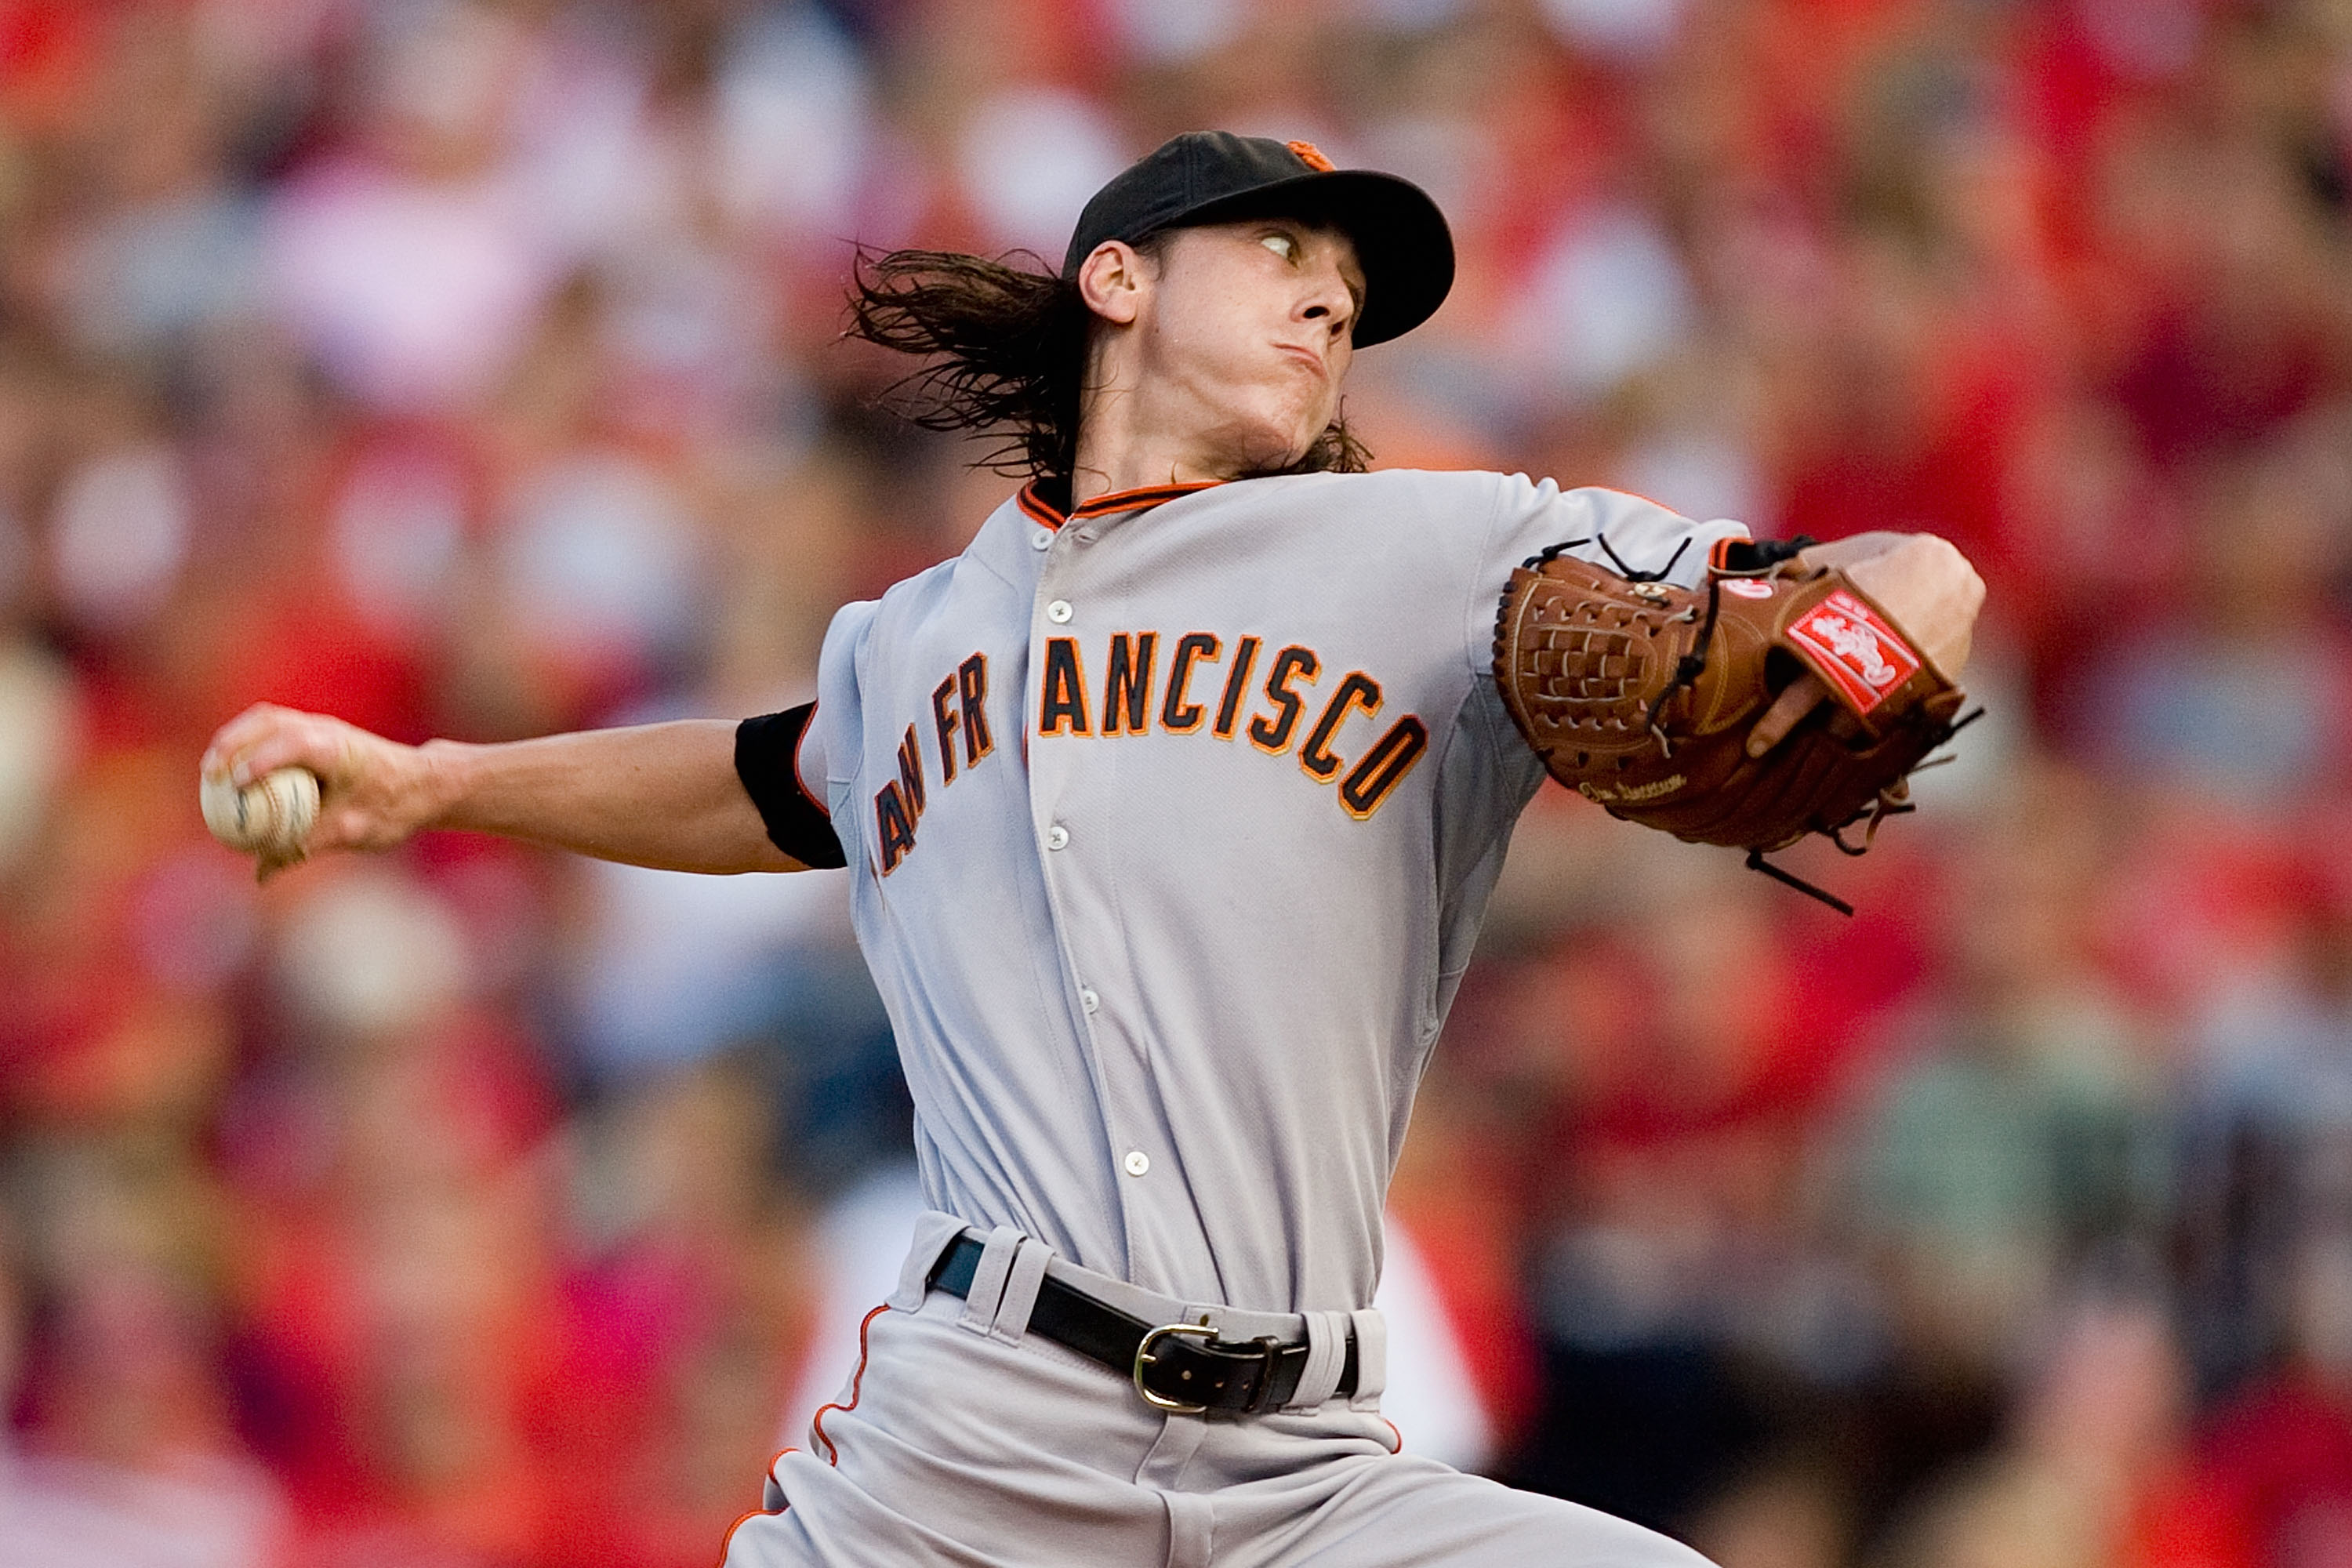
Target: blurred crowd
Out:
[473,369]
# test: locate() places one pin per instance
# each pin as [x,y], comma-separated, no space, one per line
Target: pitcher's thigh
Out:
[1399,1511]
[832,1524]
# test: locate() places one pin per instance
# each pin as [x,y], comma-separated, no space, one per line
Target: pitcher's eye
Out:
[1282,244]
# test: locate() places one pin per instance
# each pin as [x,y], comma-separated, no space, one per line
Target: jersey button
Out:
[1136,1161]
[1057,837]
[1058,612]
[1042,540]
[1088,1000]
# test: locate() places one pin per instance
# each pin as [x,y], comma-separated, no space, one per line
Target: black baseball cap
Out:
[1216,176]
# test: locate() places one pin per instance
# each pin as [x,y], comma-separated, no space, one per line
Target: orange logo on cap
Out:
[1311,155]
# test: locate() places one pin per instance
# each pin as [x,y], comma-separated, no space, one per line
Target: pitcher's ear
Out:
[1112,279]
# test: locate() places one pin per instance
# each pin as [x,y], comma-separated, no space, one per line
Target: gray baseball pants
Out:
[958,1442]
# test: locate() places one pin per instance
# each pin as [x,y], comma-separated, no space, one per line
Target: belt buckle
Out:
[1143,1358]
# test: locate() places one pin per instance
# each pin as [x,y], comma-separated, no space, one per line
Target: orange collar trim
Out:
[1041,511]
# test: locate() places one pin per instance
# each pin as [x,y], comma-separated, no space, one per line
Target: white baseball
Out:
[270,816]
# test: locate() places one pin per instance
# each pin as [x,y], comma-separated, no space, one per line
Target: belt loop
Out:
[935,1232]
[1020,1284]
[979,1303]
[1371,1358]
[1327,1357]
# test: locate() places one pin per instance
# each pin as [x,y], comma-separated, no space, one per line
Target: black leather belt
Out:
[1179,1367]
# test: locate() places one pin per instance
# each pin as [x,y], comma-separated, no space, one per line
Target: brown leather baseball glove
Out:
[1649,699]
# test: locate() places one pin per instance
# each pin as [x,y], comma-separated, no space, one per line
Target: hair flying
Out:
[1006,347]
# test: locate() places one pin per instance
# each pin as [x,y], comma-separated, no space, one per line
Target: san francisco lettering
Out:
[1196,684]
[959,719]
[1273,711]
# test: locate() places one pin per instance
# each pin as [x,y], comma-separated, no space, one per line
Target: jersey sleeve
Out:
[797,765]
[768,759]
[1620,532]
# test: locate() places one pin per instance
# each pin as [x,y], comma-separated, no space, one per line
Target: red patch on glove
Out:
[1854,650]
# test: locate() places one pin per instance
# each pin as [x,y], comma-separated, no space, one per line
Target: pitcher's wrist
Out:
[444,784]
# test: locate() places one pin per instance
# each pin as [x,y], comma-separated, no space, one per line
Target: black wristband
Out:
[764,760]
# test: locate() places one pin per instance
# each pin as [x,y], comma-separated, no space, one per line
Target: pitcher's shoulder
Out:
[1451,495]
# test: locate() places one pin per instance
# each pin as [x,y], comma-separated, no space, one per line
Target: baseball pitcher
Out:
[1170,808]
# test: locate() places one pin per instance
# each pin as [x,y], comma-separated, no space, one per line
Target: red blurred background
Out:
[472,369]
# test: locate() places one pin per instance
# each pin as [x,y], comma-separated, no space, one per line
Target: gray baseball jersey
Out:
[1172,822]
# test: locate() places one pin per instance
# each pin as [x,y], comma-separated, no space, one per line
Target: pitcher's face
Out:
[1244,331]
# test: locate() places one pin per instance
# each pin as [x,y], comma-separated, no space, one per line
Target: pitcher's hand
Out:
[372,793]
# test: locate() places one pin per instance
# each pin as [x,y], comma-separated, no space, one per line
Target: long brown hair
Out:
[1006,352]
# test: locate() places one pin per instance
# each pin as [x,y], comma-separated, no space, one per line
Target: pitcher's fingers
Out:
[266,737]
[233,739]
[1803,695]
[284,738]
[343,827]
[300,740]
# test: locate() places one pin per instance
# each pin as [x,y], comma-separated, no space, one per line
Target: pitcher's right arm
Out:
[665,795]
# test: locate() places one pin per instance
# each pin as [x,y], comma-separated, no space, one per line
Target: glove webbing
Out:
[1885,808]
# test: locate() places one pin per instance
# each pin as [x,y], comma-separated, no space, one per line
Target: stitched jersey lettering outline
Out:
[1339,746]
